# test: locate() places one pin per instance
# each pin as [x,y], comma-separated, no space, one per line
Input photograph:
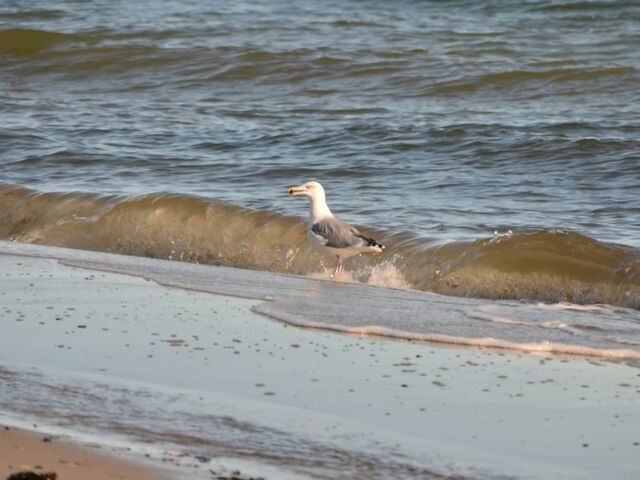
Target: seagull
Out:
[328,235]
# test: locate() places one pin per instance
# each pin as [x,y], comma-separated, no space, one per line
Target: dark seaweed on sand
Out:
[33,476]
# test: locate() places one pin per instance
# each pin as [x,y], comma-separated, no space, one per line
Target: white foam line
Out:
[484,342]
[599,308]
[550,325]
[487,317]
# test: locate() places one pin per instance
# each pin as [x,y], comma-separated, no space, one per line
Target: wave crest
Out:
[550,266]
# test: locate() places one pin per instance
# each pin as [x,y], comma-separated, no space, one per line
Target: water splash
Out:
[384,274]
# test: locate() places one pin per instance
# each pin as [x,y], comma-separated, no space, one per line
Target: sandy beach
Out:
[195,375]
[28,451]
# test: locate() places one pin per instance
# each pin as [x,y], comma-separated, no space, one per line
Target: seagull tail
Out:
[374,245]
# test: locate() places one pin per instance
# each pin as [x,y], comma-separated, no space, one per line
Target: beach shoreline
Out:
[196,376]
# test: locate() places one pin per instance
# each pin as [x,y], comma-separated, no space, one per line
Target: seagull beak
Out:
[295,191]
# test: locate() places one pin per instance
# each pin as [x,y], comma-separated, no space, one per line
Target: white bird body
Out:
[328,235]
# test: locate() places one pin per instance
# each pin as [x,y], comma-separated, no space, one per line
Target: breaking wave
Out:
[545,265]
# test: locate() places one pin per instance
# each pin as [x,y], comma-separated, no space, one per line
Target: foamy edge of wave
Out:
[484,342]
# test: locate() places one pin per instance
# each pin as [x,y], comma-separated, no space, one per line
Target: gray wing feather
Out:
[338,234]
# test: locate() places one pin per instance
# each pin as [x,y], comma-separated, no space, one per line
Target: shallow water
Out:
[598,331]
[435,124]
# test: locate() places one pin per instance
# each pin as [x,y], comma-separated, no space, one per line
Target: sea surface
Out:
[493,146]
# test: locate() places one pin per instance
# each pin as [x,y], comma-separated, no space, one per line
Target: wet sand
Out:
[24,451]
[205,381]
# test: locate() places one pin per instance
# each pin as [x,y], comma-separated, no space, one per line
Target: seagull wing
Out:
[336,234]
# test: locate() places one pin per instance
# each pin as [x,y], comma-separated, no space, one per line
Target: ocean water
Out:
[493,146]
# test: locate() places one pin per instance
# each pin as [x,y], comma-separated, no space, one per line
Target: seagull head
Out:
[313,190]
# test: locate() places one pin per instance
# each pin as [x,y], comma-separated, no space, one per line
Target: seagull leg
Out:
[338,269]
